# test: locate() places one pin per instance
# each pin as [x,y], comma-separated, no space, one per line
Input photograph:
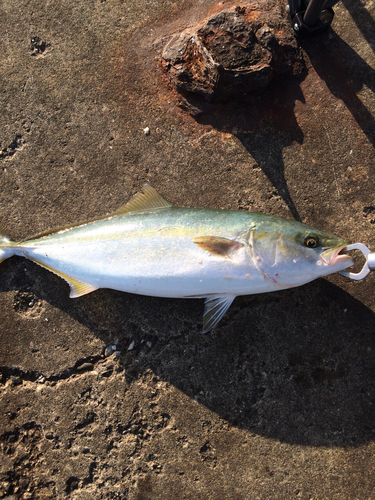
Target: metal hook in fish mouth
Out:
[368,266]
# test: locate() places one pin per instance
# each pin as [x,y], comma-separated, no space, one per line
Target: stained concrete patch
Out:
[277,402]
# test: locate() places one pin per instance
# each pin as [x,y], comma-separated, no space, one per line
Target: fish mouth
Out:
[333,256]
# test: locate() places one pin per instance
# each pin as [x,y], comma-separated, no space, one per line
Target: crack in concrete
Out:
[17,375]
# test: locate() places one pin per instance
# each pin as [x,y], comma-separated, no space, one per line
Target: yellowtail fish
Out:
[150,247]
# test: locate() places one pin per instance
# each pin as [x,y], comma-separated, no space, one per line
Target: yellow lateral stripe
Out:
[164,232]
[147,199]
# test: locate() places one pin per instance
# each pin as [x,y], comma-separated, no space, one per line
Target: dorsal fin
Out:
[147,199]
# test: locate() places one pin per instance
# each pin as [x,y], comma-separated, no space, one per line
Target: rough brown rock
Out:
[235,51]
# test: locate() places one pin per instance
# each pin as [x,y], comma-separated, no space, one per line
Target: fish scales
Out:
[139,253]
[149,247]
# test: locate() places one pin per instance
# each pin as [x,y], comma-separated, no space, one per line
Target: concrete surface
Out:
[278,401]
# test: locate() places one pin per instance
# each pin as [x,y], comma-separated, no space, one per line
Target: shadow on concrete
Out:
[296,366]
[363,19]
[265,123]
[345,74]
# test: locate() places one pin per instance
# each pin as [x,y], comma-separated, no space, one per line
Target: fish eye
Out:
[311,241]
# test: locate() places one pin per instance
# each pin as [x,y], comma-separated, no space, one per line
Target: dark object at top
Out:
[311,17]
[234,51]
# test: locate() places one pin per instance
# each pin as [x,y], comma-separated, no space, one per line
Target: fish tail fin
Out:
[6,246]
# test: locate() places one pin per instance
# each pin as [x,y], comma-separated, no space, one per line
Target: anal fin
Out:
[77,288]
[214,309]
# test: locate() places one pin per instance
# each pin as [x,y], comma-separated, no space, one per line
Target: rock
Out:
[15,380]
[85,367]
[109,350]
[235,51]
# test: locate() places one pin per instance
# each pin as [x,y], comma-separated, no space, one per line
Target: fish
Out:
[151,247]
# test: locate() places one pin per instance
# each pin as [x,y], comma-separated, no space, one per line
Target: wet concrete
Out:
[278,401]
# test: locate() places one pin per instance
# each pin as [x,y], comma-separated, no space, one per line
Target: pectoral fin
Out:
[217,246]
[77,288]
[214,309]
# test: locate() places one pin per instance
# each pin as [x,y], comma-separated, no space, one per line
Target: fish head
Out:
[291,253]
